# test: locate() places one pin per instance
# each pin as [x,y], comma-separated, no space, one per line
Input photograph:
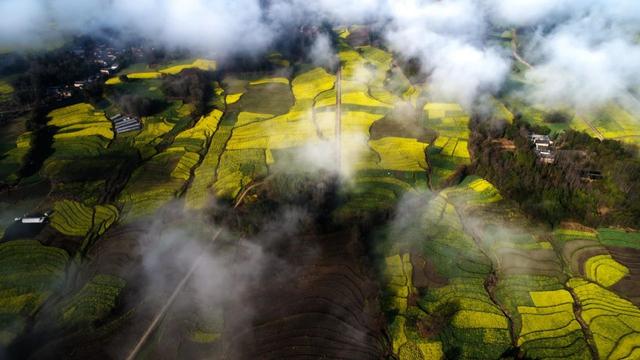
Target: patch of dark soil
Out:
[322,304]
[629,286]
[425,274]
[402,122]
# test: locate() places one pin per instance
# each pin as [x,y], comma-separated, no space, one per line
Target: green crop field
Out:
[12,160]
[29,274]
[81,129]
[613,321]
[93,302]
[75,219]
[6,91]
[400,154]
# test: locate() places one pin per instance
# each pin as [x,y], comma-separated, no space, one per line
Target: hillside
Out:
[285,209]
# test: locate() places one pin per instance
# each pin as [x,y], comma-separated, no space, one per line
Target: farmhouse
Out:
[591,175]
[543,147]
[33,219]
[59,92]
[122,124]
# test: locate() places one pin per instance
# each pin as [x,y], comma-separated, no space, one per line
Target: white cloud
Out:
[586,49]
[448,38]
[322,53]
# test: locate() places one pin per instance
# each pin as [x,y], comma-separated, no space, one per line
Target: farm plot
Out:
[153,131]
[352,62]
[362,77]
[474,191]
[144,72]
[536,115]
[81,147]
[75,219]
[93,302]
[449,150]
[400,86]
[613,321]
[134,76]
[446,116]
[202,64]
[81,131]
[614,122]
[355,97]
[6,91]
[270,80]
[151,186]
[197,138]
[400,154]
[325,101]
[374,190]
[378,64]
[604,270]
[624,249]
[160,127]
[355,134]
[160,179]
[577,247]
[308,85]
[619,238]
[13,159]
[325,121]
[446,156]
[406,342]
[237,169]
[267,96]
[529,275]
[263,127]
[476,322]
[199,195]
[449,272]
[550,329]
[29,274]
[293,129]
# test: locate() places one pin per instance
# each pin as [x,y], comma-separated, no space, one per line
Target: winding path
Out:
[157,319]
[514,50]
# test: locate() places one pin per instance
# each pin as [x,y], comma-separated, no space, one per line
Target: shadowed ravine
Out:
[324,305]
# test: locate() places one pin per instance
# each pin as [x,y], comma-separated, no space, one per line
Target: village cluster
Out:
[108,59]
[543,148]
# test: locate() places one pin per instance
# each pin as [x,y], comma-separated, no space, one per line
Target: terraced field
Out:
[75,219]
[13,159]
[93,302]
[81,130]
[326,311]
[30,273]
[613,122]
[6,91]
[448,152]
[521,279]
[460,271]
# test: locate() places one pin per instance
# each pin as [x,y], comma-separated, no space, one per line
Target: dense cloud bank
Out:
[584,52]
